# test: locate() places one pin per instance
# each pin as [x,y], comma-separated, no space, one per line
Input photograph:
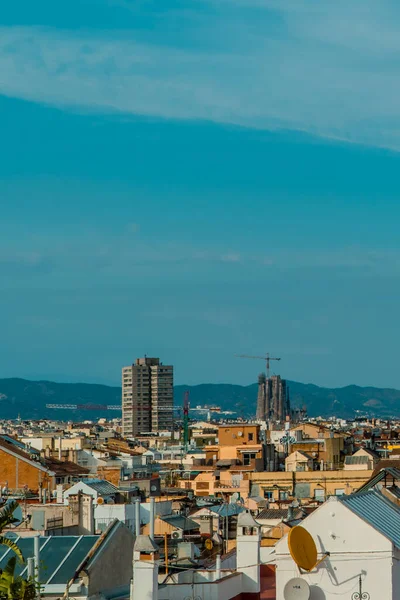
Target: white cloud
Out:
[328,68]
[133,227]
[231,257]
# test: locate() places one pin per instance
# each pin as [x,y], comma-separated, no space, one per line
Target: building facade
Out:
[147,397]
[361,534]
[273,402]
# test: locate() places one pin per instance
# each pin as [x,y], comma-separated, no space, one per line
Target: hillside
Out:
[343,402]
[29,398]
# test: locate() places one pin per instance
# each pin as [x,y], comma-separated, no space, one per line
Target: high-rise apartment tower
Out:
[273,401]
[147,397]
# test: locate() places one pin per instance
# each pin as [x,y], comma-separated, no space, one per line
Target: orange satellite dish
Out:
[209,544]
[302,548]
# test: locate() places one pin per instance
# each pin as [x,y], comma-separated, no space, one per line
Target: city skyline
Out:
[188,184]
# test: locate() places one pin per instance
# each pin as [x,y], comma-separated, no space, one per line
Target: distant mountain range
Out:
[29,398]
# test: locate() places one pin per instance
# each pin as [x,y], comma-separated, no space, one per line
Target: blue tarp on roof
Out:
[378,511]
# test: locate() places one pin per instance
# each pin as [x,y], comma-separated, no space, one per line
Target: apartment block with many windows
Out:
[147,397]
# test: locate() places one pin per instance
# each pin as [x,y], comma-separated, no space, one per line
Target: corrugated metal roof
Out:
[180,522]
[279,513]
[395,490]
[382,514]
[227,510]
[101,486]
[25,447]
[60,556]
[378,477]
[356,460]
[389,465]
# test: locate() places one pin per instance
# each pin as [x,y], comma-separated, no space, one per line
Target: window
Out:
[268,495]
[319,494]
[283,495]
[250,437]
[339,492]
[247,458]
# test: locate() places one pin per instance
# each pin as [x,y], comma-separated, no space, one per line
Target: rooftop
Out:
[356,460]
[385,463]
[279,513]
[227,510]
[60,556]
[101,486]
[180,522]
[382,514]
[58,467]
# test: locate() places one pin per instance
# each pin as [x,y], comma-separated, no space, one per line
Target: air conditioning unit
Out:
[176,535]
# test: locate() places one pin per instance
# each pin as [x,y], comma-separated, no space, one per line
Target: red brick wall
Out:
[111,475]
[17,473]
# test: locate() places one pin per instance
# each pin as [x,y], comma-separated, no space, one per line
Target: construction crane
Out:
[99,407]
[85,406]
[186,420]
[267,359]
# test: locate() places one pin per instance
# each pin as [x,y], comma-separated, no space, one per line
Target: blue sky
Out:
[195,180]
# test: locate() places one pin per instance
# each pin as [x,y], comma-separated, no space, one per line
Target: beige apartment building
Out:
[147,397]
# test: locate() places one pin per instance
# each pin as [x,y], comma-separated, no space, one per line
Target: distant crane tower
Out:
[267,359]
[186,420]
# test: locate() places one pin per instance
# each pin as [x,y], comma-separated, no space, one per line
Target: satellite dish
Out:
[235,497]
[100,500]
[11,535]
[302,548]
[296,589]
[209,544]
[17,514]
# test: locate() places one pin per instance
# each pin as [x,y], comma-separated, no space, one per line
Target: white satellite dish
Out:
[296,589]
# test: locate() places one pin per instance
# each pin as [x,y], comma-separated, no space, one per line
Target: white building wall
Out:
[248,561]
[86,459]
[104,514]
[396,574]
[225,589]
[355,548]
[79,487]
[161,509]
[38,443]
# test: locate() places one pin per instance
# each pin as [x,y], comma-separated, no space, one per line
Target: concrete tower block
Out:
[248,539]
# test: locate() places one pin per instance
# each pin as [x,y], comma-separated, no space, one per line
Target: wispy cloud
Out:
[231,257]
[328,68]
[90,256]
[133,227]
